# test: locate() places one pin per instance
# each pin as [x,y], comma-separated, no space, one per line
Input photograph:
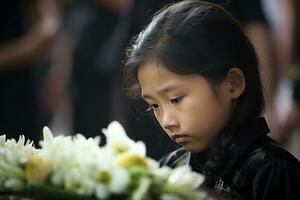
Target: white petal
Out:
[101,192]
[47,134]
[120,181]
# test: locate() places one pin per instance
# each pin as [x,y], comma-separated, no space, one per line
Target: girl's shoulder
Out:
[269,172]
[267,150]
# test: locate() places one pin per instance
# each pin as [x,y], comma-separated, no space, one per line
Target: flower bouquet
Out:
[75,167]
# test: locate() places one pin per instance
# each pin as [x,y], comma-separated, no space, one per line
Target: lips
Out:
[180,139]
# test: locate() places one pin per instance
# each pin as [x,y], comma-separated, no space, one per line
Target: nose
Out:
[169,121]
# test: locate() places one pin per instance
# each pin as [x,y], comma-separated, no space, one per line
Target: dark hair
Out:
[195,37]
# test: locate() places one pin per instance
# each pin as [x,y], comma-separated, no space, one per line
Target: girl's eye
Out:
[176,100]
[152,107]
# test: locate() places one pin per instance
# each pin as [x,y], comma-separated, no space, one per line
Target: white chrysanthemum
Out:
[183,182]
[2,140]
[119,142]
[111,180]
[183,177]
[73,160]
[161,174]
[120,181]
[81,166]
[13,156]
[78,180]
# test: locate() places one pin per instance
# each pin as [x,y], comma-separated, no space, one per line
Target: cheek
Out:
[206,116]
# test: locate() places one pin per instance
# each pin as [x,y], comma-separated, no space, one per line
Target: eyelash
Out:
[175,100]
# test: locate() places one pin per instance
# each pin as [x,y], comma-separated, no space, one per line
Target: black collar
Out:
[237,152]
[245,140]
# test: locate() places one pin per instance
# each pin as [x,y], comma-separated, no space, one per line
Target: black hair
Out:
[195,37]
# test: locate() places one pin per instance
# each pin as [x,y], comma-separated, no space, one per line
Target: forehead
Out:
[153,77]
[155,73]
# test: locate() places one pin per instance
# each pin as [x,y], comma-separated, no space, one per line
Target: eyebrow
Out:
[162,90]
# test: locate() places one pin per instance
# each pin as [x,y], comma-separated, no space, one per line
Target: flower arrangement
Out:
[77,165]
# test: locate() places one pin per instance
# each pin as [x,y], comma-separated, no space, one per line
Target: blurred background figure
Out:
[28,29]
[283,16]
[280,17]
[80,82]
[94,80]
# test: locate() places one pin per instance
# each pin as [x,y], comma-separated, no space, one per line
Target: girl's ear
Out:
[235,83]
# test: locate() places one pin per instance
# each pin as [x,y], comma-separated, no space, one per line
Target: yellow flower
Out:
[37,169]
[130,159]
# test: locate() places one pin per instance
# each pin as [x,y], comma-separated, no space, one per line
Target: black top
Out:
[258,167]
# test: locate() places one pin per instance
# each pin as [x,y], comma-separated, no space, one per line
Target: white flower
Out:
[101,192]
[119,142]
[81,166]
[2,140]
[78,164]
[161,174]
[183,177]
[112,180]
[74,159]
[110,176]
[77,180]
[184,182]
[103,177]
[120,181]
[13,156]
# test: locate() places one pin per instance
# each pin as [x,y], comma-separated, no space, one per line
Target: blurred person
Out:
[92,79]
[291,42]
[27,32]
[79,71]
[281,17]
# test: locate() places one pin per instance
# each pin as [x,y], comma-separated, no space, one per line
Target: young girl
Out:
[198,72]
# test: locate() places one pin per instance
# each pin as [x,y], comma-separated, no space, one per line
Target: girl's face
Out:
[185,105]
